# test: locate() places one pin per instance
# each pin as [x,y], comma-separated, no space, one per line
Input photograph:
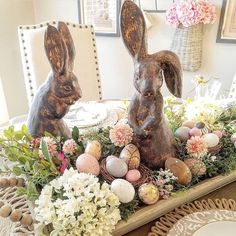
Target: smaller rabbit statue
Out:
[61,89]
[152,134]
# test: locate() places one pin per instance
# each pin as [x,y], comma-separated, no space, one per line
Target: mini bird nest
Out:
[144,171]
[215,150]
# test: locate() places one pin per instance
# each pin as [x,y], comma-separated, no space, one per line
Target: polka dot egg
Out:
[116,167]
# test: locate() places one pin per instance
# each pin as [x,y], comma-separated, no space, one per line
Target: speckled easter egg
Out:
[110,157]
[188,123]
[94,148]
[211,139]
[233,138]
[130,154]
[87,163]
[182,133]
[197,167]
[133,175]
[179,169]
[123,190]
[218,133]
[148,193]
[195,132]
[116,167]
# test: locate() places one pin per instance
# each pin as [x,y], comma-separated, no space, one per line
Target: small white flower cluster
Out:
[77,204]
[166,175]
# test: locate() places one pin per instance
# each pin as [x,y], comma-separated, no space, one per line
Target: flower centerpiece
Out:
[71,194]
[188,16]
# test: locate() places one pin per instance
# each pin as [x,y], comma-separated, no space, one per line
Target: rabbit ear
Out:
[133,29]
[67,38]
[54,49]
[171,66]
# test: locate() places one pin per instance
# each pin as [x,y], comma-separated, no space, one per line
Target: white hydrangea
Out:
[77,204]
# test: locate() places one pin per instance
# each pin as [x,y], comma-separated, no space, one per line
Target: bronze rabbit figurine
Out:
[152,134]
[61,89]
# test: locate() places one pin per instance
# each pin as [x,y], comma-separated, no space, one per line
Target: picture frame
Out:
[102,14]
[154,5]
[227,25]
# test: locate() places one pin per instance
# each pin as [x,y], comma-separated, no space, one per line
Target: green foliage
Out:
[175,112]
[102,136]
[127,209]
[16,146]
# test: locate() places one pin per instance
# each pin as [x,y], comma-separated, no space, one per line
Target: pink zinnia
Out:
[121,135]
[69,147]
[196,147]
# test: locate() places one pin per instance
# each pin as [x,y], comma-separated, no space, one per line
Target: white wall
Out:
[115,63]
[12,14]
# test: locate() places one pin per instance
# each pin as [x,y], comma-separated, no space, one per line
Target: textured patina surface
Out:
[61,89]
[152,134]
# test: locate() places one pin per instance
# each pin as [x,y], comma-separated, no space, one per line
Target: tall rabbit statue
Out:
[61,89]
[152,134]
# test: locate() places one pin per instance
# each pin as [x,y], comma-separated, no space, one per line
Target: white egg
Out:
[211,139]
[116,167]
[123,190]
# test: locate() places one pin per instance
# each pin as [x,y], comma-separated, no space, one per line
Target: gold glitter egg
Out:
[94,148]
[130,154]
[148,193]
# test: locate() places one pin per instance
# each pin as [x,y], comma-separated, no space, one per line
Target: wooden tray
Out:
[150,213]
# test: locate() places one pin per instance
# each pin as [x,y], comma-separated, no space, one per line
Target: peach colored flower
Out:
[196,147]
[121,135]
[69,147]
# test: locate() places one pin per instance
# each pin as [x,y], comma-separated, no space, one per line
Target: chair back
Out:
[36,66]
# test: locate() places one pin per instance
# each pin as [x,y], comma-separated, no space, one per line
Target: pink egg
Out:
[133,175]
[218,133]
[86,163]
[188,123]
[110,157]
[195,132]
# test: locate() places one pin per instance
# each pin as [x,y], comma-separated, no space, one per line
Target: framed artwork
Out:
[102,14]
[154,5]
[227,26]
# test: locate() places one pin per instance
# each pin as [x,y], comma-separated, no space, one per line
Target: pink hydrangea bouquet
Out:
[191,12]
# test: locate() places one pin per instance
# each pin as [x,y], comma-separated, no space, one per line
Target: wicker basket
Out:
[109,178]
[215,150]
[187,44]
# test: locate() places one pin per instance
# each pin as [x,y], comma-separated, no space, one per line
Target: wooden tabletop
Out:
[229,191]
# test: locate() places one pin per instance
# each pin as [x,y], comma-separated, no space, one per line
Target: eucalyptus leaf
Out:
[75,133]
[21,191]
[17,170]
[45,150]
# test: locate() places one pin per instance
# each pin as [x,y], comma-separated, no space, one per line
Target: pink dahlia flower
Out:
[121,135]
[51,145]
[69,147]
[196,147]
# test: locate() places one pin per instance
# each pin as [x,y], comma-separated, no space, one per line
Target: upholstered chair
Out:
[36,66]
